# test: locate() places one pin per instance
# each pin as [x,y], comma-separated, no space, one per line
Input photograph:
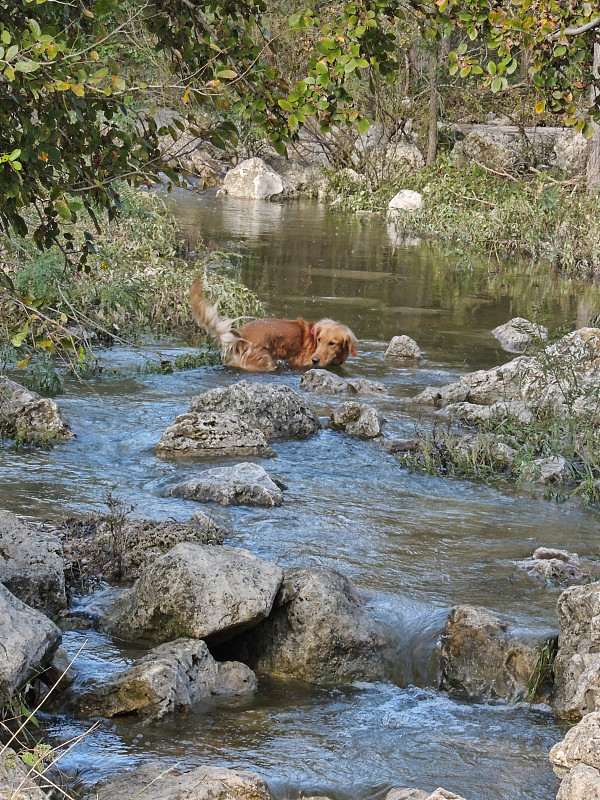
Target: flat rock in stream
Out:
[321,381]
[171,678]
[276,410]
[210,434]
[242,484]
[31,564]
[26,415]
[202,783]
[319,631]
[196,591]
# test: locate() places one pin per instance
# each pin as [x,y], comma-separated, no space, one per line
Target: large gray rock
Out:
[500,150]
[582,783]
[253,179]
[16,780]
[210,435]
[29,640]
[548,470]
[358,419]
[571,151]
[321,381]
[31,564]
[405,200]
[568,369]
[202,783]
[240,485]
[480,656]
[172,678]
[119,548]
[577,664]
[196,591]
[27,416]
[581,745]
[276,410]
[518,334]
[319,631]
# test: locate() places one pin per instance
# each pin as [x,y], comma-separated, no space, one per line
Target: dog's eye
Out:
[331,344]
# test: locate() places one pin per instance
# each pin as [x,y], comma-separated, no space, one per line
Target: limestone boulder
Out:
[31,564]
[321,381]
[357,419]
[482,658]
[276,410]
[319,631]
[403,155]
[548,470]
[503,409]
[196,591]
[253,179]
[171,678]
[402,348]
[211,435]
[571,151]
[405,201]
[581,745]
[577,664]
[582,783]
[518,334]
[119,549]
[240,485]
[29,640]
[29,417]
[154,782]
[496,149]
[551,565]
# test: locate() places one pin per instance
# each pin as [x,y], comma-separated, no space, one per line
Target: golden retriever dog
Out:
[260,344]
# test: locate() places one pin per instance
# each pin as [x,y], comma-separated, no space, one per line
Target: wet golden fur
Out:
[260,344]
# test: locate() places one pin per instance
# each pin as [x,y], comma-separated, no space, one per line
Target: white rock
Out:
[405,200]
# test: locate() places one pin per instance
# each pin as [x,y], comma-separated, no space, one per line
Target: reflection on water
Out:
[414,544]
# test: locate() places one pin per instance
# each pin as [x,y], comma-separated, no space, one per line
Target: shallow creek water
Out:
[414,544]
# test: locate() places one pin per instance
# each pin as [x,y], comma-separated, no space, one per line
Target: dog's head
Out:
[333,343]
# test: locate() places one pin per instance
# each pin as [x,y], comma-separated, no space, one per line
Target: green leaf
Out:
[588,130]
[27,66]
[102,7]
[287,106]
[227,74]
[363,125]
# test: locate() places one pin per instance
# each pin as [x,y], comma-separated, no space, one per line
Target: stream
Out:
[414,544]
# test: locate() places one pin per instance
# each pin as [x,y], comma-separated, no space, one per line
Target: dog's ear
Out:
[352,345]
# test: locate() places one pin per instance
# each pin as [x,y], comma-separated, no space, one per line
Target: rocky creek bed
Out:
[366,589]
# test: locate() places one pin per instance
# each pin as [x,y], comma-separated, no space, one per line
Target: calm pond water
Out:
[414,544]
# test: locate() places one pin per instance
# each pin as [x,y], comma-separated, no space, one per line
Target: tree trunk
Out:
[434,99]
[593,159]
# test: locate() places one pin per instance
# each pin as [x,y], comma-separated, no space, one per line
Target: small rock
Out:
[406,794]
[16,780]
[405,200]
[400,445]
[358,419]
[325,382]
[241,485]
[548,470]
[548,564]
[518,333]
[403,348]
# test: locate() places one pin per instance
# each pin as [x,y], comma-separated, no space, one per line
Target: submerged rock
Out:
[577,664]
[402,348]
[481,658]
[31,564]
[29,640]
[278,411]
[518,334]
[29,417]
[318,631]
[172,678]
[322,381]
[550,564]
[243,484]
[203,783]
[196,591]
[210,434]
[358,419]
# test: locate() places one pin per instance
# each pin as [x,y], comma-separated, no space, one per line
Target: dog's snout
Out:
[315,359]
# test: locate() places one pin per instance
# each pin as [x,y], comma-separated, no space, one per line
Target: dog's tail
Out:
[206,315]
